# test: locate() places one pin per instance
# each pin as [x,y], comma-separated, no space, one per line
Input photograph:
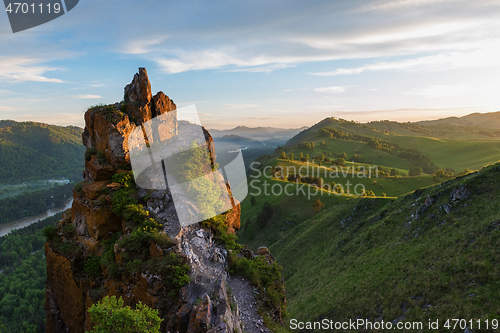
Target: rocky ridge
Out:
[96,250]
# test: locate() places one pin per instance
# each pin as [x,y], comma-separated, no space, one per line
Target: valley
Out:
[411,248]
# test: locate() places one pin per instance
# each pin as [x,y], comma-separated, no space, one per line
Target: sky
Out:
[260,63]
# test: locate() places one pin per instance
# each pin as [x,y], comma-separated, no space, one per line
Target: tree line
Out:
[33,203]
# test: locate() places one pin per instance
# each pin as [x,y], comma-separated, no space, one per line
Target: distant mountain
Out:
[259,133]
[30,150]
[489,120]
[239,140]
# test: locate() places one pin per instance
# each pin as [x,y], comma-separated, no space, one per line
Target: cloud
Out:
[482,57]
[344,33]
[10,108]
[385,5]
[142,45]
[86,96]
[262,69]
[211,59]
[442,90]
[239,106]
[22,69]
[330,90]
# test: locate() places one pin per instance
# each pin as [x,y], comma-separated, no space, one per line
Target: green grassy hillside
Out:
[435,152]
[30,150]
[486,120]
[441,130]
[431,254]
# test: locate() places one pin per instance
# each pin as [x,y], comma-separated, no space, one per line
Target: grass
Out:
[462,152]
[391,186]
[404,259]
[453,153]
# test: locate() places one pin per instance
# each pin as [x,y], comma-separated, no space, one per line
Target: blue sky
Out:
[260,63]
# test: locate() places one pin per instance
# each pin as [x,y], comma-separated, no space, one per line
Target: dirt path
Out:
[245,295]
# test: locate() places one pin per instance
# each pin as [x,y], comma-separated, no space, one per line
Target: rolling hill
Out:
[485,120]
[430,254]
[258,133]
[30,150]
[395,142]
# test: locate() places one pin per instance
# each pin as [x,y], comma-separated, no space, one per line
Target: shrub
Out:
[318,206]
[104,190]
[79,188]
[89,152]
[101,158]
[93,266]
[49,233]
[110,316]
[220,229]
[266,276]
[415,171]
[69,231]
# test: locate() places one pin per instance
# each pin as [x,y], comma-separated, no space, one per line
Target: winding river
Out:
[5,228]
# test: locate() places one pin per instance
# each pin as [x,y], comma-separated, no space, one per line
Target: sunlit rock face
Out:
[92,228]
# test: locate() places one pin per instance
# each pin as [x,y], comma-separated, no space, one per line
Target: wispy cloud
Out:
[10,108]
[262,69]
[22,69]
[86,96]
[442,90]
[262,43]
[239,106]
[485,56]
[384,5]
[142,45]
[331,90]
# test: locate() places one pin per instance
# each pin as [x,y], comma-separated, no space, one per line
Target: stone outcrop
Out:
[93,229]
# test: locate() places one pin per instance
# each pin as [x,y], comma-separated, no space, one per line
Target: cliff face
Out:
[121,240]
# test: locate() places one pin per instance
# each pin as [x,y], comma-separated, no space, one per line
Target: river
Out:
[5,228]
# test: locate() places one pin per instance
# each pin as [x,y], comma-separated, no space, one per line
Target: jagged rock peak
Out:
[139,90]
[107,127]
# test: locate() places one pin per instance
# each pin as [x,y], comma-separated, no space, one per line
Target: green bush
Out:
[110,316]
[101,158]
[219,227]
[79,188]
[90,152]
[49,232]
[93,266]
[266,276]
[104,190]
[173,269]
[69,231]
